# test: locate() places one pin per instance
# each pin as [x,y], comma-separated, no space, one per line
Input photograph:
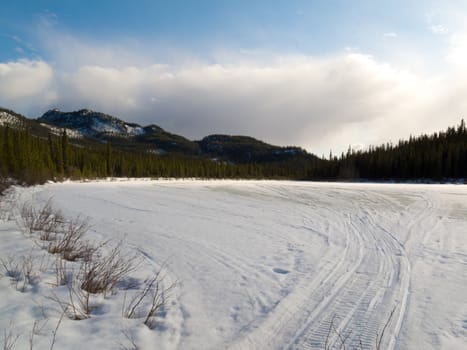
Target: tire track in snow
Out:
[422,222]
[348,306]
[394,267]
[363,273]
[357,294]
[362,321]
[293,311]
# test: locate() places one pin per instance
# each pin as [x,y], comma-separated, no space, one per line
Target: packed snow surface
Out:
[262,265]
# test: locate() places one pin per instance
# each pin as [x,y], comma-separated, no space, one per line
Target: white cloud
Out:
[390,35]
[319,103]
[314,102]
[439,29]
[26,82]
[457,53]
[292,100]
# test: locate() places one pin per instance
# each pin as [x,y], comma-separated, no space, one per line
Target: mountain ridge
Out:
[86,126]
[29,153]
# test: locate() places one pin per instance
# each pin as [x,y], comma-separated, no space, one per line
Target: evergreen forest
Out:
[29,159]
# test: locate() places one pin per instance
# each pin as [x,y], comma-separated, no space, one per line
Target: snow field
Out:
[258,265]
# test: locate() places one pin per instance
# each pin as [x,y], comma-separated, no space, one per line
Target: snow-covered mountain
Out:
[91,124]
[152,138]
[104,128]
[90,127]
[15,120]
[9,118]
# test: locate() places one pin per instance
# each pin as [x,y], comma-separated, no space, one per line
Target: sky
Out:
[322,75]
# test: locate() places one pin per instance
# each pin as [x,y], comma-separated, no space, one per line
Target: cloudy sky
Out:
[318,74]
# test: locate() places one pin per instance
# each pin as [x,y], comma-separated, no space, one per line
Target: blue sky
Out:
[319,74]
[307,27]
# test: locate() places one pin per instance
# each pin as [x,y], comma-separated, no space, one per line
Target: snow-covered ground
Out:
[258,265]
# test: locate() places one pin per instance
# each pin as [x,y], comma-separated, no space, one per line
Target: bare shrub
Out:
[101,275]
[9,338]
[62,275]
[342,338]
[69,242]
[37,328]
[5,202]
[328,336]
[48,226]
[130,339]
[158,298]
[55,331]
[334,335]
[20,269]
[11,267]
[4,185]
[29,277]
[6,209]
[76,305]
[45,220]
[152,292]
[47,235]
[44,263]
[132,310]
[379,337]
[32,334]
[27,216]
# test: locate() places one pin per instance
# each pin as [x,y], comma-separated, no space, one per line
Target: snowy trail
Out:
[355,293]
[273,265]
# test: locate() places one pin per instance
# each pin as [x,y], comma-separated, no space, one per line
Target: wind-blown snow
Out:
[267,265]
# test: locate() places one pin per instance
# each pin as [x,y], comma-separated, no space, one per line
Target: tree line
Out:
[31,160]
[440,156]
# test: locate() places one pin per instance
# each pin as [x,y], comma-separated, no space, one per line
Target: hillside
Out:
[126,136]
[92,145]
[244,149]
[439,156]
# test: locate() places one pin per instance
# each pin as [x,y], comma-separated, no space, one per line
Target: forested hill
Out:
[87,144]
[90,125]
[440,156]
